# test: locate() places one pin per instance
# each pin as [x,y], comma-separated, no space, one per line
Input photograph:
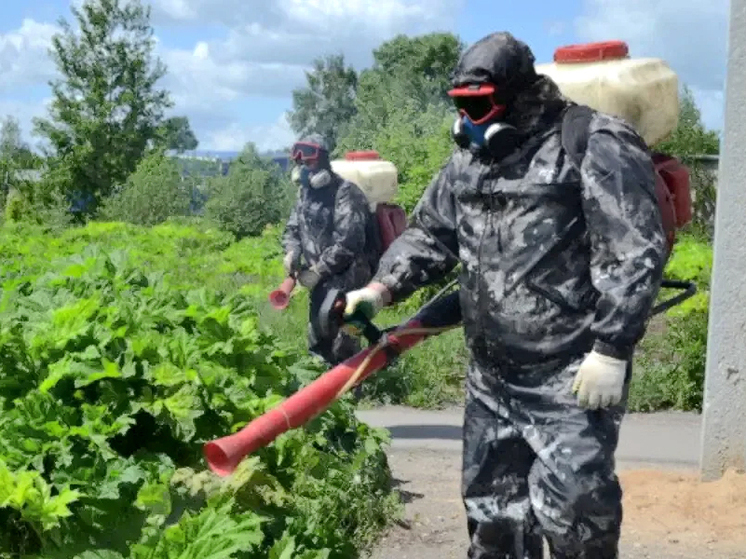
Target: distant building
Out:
[283,161]
[221,161]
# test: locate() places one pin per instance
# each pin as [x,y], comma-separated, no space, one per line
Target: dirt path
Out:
[669,513]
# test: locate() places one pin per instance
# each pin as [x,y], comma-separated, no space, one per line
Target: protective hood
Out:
[533,100]
[313,146]
[318,140]
[499,59]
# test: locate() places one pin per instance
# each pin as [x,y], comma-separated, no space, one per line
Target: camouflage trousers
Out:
[536,465]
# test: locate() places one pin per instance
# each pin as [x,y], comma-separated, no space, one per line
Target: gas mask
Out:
[311,169]
[479,126]
[303,175]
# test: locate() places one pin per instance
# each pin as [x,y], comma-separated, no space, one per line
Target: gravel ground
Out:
[669,514]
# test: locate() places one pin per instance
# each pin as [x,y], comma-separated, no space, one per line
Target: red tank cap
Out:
[369,155]
[591,52]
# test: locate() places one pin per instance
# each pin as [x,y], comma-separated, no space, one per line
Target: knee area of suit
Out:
[576,506]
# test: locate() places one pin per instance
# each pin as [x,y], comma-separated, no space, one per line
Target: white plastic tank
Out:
[642,91]
[376,177]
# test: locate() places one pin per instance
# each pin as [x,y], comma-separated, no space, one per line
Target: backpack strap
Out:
[575,132]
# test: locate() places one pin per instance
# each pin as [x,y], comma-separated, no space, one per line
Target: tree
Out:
[10,137]
[424,62]
[255,193]
[152,194]
[106,109]
[15,159]
[177,135]
[327,103]
[409,75]
[13,150]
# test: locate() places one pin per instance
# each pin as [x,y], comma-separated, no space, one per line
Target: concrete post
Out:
[724,413]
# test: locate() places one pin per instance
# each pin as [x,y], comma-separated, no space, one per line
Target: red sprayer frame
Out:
[224,454]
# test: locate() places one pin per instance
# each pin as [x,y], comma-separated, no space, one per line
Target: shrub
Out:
[255,193]
[16,207]
[115,372]
[671,361]
[151,195]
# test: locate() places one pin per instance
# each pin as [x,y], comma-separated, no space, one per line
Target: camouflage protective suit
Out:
[555,262]
[332,229]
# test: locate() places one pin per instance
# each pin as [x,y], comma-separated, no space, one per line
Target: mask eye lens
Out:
[475,107]
[304,152]
[476,101]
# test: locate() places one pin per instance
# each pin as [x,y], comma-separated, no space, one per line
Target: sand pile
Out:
[679,508]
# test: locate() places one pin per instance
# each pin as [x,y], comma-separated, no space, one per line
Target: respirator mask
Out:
[311,165]
[479,126]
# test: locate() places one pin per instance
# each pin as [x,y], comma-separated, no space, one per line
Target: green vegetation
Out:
[135,325]
[670,364]
[124,349]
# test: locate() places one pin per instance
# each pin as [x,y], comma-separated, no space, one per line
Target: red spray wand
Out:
[224,454]
[280,297]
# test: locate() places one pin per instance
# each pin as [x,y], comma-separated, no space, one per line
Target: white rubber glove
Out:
[295,175]
[288,262]
[368,300]
[600,381]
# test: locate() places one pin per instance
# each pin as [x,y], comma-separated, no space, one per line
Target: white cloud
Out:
[200,83]
[267,137]
[263,52]
[690,35]
[24,58]
[310,16]
[555,28]
[24,112]
[268,46]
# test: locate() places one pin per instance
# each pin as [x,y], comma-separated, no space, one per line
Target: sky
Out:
[233,64]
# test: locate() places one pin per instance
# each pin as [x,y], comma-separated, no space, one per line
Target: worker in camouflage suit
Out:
[560,268]
[329,241]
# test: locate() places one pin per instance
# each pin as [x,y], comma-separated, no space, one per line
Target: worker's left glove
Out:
[290,263]
[309,278]
[599,382]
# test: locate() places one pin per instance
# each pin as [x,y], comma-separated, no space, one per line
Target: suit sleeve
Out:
[291,235]
[628,245]
[427,250]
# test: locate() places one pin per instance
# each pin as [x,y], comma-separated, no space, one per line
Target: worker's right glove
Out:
[368,301]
